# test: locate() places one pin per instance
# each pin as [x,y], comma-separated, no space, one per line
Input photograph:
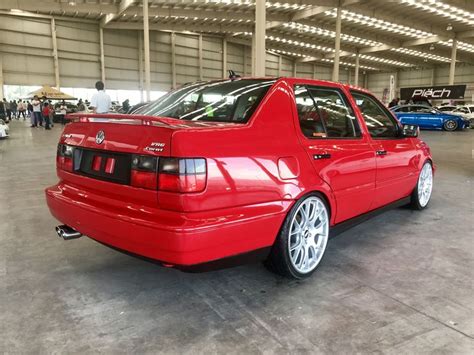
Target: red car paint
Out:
[255,173]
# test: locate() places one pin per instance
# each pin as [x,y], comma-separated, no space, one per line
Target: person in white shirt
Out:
[100,102]
[62,111]
[36,116]
[21,109]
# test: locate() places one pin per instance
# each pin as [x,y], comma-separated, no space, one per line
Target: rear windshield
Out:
[223,101]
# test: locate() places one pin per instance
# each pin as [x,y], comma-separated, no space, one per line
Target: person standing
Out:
[35,117]
[46,115]
[80,106]
[126,106]
[2,110]
[21,109]
[29,107]
[8,110]
[100,101]
[62,111]
[14,107]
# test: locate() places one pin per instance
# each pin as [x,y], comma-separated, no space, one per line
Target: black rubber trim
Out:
[253,256]
[343,226]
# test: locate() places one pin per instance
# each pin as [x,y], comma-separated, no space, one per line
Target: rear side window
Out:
[324,113]
[421,109]
[378,119]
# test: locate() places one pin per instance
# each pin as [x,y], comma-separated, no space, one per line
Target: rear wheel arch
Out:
[329,203]
[278,260]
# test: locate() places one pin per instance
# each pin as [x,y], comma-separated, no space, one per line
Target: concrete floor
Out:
[399,283]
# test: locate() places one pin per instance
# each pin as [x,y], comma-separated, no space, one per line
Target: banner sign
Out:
[433,92]
[391,95]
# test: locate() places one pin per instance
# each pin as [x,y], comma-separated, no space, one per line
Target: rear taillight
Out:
[182,174]
[64,157]
[144,172]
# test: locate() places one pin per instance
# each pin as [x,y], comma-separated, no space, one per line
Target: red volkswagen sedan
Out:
[219,172]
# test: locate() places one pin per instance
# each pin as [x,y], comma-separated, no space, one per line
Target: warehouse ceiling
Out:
[387,34]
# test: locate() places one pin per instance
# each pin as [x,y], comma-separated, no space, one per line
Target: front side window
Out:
[402,109]
[324,113]
[223,101]
[378,120]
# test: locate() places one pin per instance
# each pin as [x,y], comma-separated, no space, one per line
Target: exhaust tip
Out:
[67,233]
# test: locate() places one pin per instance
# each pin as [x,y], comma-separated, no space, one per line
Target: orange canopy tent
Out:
[50,93]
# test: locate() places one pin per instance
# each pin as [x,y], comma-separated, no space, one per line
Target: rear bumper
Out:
[175,238]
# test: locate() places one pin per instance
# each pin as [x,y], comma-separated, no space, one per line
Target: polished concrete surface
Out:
[399,283]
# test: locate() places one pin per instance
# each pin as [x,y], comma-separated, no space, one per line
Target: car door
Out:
[429,117]
[341,155]
[396,156]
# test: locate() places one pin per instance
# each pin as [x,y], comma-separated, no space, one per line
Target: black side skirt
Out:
[343,226]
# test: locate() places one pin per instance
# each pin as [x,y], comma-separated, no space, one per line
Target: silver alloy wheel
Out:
[451,125]
[308,236]
[425,184]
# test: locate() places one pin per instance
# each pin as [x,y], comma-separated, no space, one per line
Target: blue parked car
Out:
[427,117]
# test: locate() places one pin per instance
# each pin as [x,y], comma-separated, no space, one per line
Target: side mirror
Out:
[410,131]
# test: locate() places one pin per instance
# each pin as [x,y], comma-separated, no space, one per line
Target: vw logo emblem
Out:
[99,137]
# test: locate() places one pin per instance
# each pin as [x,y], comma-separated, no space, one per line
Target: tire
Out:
[419,200]
[450,125]
[308,223]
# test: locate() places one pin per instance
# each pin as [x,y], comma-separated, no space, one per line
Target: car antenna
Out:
[233,75]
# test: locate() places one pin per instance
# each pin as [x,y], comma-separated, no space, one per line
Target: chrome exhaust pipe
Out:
[67,233]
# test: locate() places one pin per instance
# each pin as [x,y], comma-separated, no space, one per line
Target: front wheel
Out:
[422,193]
[302,241]
[450,125]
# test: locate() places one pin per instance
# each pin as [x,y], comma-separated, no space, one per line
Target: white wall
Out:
[26,48]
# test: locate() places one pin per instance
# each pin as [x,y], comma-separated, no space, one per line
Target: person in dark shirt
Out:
[394,102]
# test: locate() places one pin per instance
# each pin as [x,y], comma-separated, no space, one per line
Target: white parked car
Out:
[4,130]
[466,111]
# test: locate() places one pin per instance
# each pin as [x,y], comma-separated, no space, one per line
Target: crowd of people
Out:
[41,111]
[13,109]
[38,110]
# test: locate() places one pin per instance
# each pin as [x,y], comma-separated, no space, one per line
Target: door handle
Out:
[381,152]
[321,156]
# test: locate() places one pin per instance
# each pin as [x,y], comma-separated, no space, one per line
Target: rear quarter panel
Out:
[254,163]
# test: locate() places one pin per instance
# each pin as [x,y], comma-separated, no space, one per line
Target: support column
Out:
[279,65]
[140,65]
[1,78]
[314,71]
[102,56]
[337,46]
[366,81]
[146,42]
[201,74]
[253,55]
[55,53]
[452,67]
[260,26]
[294,69]
[224,58]
[433,71]
[356,71]
[245,61]
[173,60]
